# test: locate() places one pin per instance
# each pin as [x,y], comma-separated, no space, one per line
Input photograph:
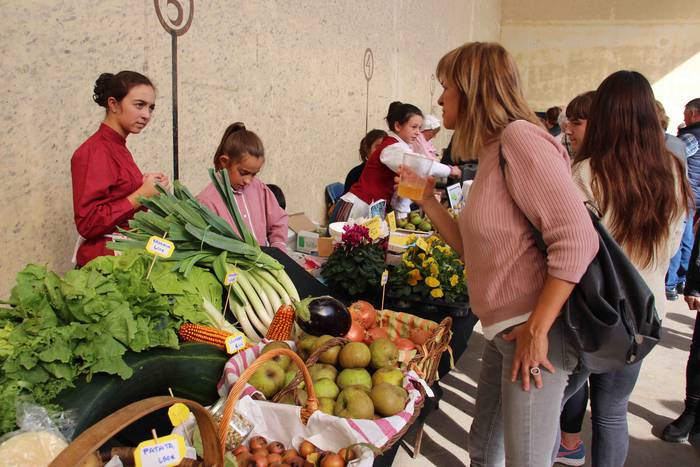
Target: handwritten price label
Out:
[375,227]
[231,278]
[168,450]
[385,278]
[391,219]
[420,243]
[178,413]
[160,247]
[235,342]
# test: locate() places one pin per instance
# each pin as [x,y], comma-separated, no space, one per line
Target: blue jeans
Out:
[610,394]
[679,262]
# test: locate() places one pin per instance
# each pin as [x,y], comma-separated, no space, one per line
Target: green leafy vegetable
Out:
[56,330]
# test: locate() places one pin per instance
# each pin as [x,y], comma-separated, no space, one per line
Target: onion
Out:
[419,336]
[402,343]
[364,313]
[356,332]
[375,333]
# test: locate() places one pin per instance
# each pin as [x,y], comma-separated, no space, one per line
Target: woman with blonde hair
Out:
[515,290]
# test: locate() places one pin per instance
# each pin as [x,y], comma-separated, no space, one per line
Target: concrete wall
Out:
[564,48]
[291,70]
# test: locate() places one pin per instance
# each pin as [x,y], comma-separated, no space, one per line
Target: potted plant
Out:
[355,267]
[431,273]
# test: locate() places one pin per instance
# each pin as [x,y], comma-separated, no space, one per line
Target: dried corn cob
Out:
[282,324]
[189,332]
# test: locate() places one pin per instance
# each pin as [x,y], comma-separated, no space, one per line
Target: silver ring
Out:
[535,370]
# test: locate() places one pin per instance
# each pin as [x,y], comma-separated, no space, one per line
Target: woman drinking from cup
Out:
[377,179]
[515,290]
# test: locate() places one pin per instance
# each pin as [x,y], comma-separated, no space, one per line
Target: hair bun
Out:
[101,88]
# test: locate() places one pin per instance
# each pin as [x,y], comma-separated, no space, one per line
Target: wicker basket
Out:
[83,448]
[427,358]
[313,358]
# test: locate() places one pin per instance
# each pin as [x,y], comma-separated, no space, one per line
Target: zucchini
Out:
[192,372]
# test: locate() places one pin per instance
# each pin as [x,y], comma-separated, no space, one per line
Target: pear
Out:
[388,399]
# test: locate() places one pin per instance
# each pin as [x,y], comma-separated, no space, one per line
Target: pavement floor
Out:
[657,400]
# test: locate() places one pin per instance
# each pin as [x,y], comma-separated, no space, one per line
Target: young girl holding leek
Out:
[242,155]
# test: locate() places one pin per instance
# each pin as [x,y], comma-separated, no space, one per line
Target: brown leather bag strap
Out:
[94,437]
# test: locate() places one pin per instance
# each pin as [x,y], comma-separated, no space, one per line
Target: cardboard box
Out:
[299,222]
[325,246]
[307,242]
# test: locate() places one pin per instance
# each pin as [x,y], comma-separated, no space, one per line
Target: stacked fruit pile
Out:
[260,452]
[415,221]
[354,380]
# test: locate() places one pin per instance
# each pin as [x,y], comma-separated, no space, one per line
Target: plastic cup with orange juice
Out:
[414,178]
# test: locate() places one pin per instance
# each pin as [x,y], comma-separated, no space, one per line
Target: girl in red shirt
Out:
[107,183]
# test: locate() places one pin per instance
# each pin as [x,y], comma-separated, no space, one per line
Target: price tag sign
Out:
[235,342]
[391,219]
[385,278]
[231,278]
[168,450]
[178,413]
[421,243]
[375,227]
[160,247]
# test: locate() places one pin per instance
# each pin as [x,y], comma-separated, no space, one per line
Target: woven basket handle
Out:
[237,389]
[91,439]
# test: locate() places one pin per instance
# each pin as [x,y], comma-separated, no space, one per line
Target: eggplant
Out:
[323,315]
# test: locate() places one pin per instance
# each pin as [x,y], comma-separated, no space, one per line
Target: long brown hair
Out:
[635,178]
[490,96]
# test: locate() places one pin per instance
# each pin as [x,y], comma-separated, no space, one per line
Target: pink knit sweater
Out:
[505,270]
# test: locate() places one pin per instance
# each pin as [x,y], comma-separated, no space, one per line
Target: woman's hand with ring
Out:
[530,354]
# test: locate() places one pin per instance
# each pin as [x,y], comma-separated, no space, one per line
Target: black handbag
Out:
[610,316]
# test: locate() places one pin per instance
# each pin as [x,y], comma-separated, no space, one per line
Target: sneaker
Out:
[574,457]
[680,287]
[671,295]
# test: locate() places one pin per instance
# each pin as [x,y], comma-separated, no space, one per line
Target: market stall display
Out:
[313,435]
[59,330]
[257,283]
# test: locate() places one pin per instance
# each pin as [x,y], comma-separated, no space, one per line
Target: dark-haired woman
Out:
[242,155]
[107,183]
[367,146]
[624,144]
[377,180]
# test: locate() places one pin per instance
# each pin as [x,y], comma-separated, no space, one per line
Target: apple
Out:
[305,344]
[389,375]
[384,353]
[325,387]
[322,370]
[300,397]
[354,355]
[326,405]
[268,379]
[282,360]
[354,377]
[330,356]
[353,402]
[388,399]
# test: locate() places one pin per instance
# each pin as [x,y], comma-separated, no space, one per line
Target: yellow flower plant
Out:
[430,270]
